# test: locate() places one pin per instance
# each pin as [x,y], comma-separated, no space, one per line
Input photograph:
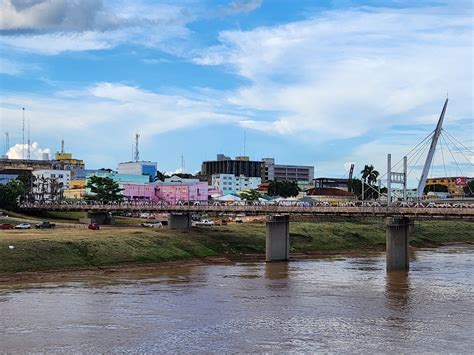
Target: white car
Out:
[152,224]
[204,222]
[23,226]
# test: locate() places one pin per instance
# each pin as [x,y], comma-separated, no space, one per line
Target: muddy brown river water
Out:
[340,304]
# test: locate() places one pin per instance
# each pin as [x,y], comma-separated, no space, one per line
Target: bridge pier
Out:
[397,241]
[180,220]
[277,243]
[98,217]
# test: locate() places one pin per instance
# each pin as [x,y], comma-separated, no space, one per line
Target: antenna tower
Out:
[137,152]
[62,145]
[28,152]
[23,139]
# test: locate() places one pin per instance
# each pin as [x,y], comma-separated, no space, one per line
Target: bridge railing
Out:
[440,210]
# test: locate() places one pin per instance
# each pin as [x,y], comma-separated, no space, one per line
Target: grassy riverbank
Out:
[72,249]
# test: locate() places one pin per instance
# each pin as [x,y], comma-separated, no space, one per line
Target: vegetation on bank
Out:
[68,249]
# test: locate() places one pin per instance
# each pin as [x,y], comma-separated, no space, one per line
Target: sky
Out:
[322,83]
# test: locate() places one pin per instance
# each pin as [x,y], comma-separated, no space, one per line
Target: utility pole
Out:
[28,155]
[137,152]
[23,139]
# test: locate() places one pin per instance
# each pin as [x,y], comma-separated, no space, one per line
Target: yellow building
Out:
[74,194]
[68,162]
[455,185]
[77,184]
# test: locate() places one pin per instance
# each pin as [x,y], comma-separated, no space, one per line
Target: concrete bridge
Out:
[399,221]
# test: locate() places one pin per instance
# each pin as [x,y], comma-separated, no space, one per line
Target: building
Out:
[147,168]
[121,179]
[49,185]
[280,172]
[237,167]
[336,183]
[173,190]
[229,183]
[455,185]
[65,161]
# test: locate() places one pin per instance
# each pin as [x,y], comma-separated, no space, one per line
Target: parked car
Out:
[23,226]
[45,225]
[6,226]
[152,224]
[205,222]
[94,226]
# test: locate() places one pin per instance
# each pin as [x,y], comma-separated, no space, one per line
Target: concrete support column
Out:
[397,240]
[277,244]
[180,220]
[99,218]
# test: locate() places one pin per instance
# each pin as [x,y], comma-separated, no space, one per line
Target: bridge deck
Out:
[414,212]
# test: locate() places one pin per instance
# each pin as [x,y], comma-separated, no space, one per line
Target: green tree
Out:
[369,174]
[355,186]
[469,188]
[10,194]
[104,189]
[283,188]
[160,176]
[250,195]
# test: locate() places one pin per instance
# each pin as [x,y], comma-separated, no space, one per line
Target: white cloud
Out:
[110,106]
[10,68]
[19,151]
[240,6]
[345,73]
[55,26]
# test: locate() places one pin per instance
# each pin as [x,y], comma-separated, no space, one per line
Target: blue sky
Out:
[320,83]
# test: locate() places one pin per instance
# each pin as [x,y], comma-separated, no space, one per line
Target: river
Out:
[339,304]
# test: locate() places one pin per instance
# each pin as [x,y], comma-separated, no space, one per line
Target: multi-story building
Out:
[229,183]
[173,190]
[121,179]
[280,172]
[237,167]
[50,184]
[147,168]
[455,185]
[337,183]
[65,161]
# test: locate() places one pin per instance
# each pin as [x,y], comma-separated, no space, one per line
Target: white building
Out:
[138,168]
[229,183]
[49,184]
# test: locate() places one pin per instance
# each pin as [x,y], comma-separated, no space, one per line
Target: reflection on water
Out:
[339,304]
[397,289]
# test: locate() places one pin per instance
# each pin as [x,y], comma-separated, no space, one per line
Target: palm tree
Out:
[369,174]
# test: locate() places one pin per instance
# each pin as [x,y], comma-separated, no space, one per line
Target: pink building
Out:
[133,191]
[172,190]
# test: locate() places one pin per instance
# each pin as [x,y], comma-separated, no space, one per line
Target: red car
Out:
[94,226]
[6,226]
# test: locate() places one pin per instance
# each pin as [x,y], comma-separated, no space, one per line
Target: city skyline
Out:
[320,86]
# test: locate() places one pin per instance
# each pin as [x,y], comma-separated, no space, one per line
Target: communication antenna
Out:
[182,164]
[28,154]
[62,145]
[23,139]
[137,152]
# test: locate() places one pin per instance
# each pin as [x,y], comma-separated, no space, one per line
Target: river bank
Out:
[36,252]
